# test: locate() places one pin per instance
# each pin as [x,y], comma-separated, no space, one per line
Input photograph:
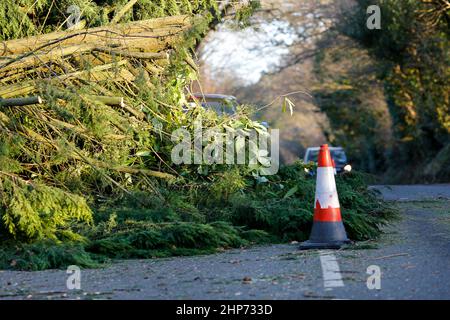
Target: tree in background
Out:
[411,50]
[290,27]
[382,94]
[349,93]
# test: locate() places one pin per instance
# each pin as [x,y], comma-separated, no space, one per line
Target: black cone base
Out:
[307,245]
[326,235]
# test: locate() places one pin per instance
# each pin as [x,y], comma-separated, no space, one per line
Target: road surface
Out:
[412,258]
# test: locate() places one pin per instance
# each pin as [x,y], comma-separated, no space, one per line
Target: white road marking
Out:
[330,269]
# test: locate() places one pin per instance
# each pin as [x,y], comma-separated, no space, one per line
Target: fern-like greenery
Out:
[31,211]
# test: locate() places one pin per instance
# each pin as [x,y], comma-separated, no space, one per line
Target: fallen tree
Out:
[85,153]
[76,106]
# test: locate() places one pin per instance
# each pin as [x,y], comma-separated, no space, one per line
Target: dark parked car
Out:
[220,103]
[337,154]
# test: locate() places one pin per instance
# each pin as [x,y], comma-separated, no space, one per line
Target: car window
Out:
[338,156]
[312,155]
[220,107]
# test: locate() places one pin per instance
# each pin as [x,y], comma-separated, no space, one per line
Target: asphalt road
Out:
[413,258]
[414,192]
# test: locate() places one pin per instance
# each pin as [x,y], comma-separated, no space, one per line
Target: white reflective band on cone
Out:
[326,188]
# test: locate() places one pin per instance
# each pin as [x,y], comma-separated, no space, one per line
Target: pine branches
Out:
[32,211]
[89,113]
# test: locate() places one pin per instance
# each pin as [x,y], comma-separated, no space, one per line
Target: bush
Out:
[136,226]
[32,211]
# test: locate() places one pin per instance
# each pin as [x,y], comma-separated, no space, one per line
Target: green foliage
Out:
[46,255]
[145,240]
[136,226]
[363,211]
[68,144]
[226,184]
[59,180]
[289,218]
[353,101]
[34,211]
[244,14]
[399,20]
[411,50]
[31,17]
[439,168]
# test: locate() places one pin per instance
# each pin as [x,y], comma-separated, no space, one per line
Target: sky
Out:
[249,52]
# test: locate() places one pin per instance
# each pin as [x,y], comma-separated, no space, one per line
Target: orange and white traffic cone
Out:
[334,166]
[328,231]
